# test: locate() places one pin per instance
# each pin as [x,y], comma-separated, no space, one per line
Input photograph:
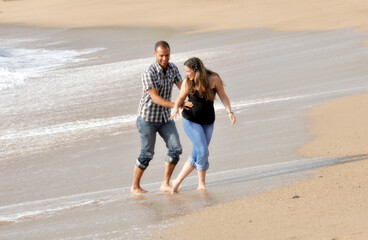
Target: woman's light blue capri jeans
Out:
[200,136]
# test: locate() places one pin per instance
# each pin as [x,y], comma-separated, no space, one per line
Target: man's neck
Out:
[163,68]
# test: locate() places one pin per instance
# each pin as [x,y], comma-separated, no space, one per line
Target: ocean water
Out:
[68,142]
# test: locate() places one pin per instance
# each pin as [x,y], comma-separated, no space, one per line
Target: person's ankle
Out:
[165,187]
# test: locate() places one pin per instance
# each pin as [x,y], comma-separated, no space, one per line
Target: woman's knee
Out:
[202,159]
[202,153]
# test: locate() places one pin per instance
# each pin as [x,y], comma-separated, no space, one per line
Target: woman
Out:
[201,86]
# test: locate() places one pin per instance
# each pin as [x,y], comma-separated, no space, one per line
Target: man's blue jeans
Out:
[200,136]
[147,132]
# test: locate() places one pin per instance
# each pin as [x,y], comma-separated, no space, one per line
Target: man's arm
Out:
[156,98]
[163,102]
[178,84]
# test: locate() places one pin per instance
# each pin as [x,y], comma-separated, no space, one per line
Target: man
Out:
[153,116]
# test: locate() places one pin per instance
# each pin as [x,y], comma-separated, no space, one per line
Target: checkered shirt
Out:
[154,78]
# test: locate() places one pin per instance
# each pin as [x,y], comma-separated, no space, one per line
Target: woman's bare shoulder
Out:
[214,80]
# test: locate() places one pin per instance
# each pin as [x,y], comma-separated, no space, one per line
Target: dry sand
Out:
[203,15]
[330,205]
[339,128]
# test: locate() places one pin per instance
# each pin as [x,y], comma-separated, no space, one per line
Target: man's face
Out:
[163,56]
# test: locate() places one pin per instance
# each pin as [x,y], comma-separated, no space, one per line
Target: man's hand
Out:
[186,105]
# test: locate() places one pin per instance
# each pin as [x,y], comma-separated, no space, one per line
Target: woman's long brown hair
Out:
[200,81]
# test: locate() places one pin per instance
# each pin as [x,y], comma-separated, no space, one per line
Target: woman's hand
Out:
[174,113]
[232,117]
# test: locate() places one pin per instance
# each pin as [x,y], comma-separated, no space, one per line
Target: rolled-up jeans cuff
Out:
[202,167]
[192,162]
[140,165]
[172,160]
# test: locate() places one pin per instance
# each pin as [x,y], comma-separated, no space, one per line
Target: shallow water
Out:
[68,137]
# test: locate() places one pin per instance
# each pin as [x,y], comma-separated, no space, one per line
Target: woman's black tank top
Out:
[202,111]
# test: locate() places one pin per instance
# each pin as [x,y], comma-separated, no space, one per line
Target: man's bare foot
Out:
[201,188]
[175,187]
[138,191]
[165,187]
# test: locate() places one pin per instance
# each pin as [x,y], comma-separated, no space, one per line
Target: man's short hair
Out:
[162,44]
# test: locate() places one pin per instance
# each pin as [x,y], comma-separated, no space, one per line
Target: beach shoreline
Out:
[330,204]
[338,128]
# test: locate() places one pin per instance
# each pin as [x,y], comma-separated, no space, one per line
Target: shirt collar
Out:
[159,68]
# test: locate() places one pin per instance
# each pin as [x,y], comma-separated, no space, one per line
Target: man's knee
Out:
[140,165]
[172,160]
[143,161]
[174,145]
[178,149]
[174,154]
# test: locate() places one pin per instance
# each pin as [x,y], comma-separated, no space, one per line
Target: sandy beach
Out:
[202,15]
[338,128]
[329,204]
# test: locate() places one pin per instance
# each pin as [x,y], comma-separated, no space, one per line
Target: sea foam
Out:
[17,65]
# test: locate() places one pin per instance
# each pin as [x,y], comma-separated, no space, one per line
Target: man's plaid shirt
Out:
[154,78]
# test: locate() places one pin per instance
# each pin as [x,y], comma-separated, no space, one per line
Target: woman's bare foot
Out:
[201,188]
[175,186]
[165,187]
[138,191]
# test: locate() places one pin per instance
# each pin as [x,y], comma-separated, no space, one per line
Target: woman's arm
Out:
[224,99]
[180,100]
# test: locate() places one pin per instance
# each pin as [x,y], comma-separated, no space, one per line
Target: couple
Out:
[200,86]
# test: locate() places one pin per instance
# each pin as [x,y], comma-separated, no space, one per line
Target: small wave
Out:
[5,53]
[261,101]
[77,126]
[26,215]
[116,122]
[16,142]
[19,64]
[21,212]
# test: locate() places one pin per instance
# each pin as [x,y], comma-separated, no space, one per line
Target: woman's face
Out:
[189,73]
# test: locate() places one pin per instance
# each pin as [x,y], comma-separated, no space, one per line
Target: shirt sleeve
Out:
[149,80]
[177,75]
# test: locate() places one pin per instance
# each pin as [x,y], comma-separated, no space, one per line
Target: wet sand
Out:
[330,205]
